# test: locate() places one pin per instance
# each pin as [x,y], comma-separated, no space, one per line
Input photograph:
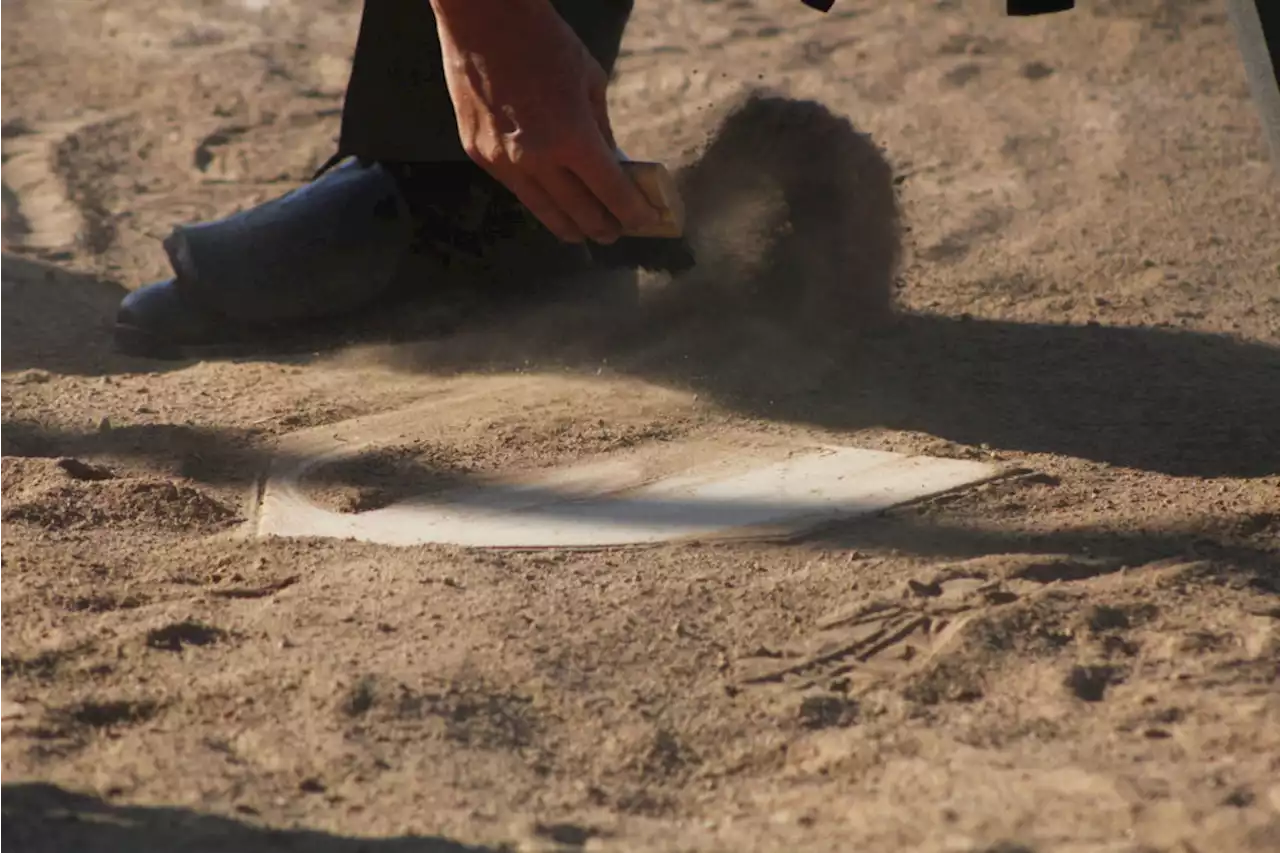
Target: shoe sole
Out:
[139,343]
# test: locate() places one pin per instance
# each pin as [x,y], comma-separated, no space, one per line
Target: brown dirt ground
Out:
[1081,657]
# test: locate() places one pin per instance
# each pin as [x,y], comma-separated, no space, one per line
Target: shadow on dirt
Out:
[787,317]
[1241,545]
[42,818]
[1175,403]
[221,457]
[56,320]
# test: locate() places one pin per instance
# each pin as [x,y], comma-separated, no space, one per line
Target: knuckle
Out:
[485,151]
[533,157]
[522,155]
[525,149]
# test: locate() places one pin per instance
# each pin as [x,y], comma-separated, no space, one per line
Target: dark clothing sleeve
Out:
[1257,25]
[1039,7]
[1015,7]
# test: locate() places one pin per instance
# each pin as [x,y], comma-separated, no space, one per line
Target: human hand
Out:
[531,110]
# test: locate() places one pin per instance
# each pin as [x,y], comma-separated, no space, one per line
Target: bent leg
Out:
[397,106]
[394,219]
[1257,24]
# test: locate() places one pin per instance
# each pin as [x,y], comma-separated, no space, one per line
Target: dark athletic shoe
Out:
[367,252]
[328,248]
[310,269]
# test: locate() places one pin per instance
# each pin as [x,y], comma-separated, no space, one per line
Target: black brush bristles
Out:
[654,254]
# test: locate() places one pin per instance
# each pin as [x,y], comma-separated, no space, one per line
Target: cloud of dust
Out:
[793,218]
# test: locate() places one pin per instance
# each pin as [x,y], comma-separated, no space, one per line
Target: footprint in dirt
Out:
[941,634]
[70,727]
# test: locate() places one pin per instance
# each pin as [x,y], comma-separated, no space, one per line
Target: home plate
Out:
[748,487]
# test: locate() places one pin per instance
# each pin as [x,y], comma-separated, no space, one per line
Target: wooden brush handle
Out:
[659,187]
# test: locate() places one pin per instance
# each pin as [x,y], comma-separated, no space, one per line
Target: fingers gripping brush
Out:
[660,247]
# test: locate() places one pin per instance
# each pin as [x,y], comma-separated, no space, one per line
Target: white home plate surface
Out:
[749,486]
